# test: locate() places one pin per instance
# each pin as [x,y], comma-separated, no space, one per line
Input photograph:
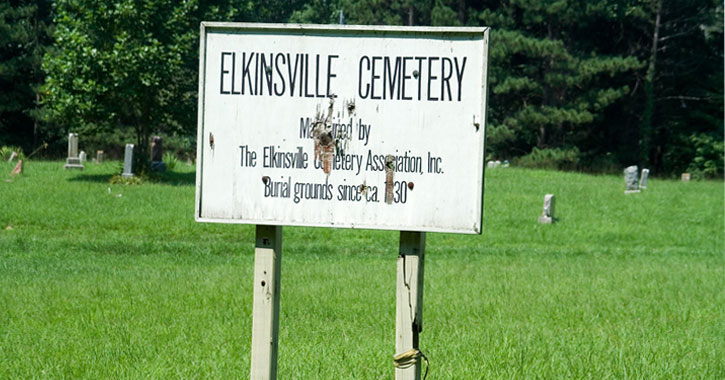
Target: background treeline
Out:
[584,85]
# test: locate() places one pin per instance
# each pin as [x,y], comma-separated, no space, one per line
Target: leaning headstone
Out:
[547,215]
[685,177]
[73,161]
[157,163]
[18,168]
[630,180]
[643,179]
[99,156]
[13,154]
[128,162]
[82,156]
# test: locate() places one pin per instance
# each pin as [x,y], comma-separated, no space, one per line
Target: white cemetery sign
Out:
[342,126]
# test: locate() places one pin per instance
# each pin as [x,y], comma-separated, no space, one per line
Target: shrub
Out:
[170,160]
[556,158]
[7,151]
[708,161]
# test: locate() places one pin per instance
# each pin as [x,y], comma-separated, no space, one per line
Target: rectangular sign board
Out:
[342,126]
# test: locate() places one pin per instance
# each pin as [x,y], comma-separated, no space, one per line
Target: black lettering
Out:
[459,75]
[430,75]
[372,81]
[246,66]
[420,74]
[330,75]
[446,78]
[277,91]
[405,78]
[360,78]
[221,79]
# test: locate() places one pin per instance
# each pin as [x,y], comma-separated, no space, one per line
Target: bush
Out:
[7,151]
[708,161]
[556,158]
[170,160]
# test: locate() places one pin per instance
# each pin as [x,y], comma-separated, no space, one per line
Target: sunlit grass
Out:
[113,281]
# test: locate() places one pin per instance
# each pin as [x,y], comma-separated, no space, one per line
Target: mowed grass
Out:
[113,281]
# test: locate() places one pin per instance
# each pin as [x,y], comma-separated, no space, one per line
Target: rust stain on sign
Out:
[322,135]
[389,170]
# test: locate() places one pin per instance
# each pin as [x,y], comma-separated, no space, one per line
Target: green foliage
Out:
[7,151]
[709,159]
[25,28]
[118,179]
[552,158]
[170,160]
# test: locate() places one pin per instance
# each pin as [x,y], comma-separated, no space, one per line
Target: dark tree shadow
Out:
[167,178]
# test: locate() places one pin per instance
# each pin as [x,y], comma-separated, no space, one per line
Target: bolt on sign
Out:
[342,126]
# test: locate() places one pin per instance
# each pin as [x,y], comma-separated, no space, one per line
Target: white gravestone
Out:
[128,161]
[99,156]
[547,215]
[630,180]
[643,179]
[82,156]
[73,161]
[685,177]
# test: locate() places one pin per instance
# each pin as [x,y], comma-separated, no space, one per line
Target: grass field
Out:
[112,281]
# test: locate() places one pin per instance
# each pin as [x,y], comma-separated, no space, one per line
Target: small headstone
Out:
[497,164]
[82,156]
[685,177]
[128,162]
[13,154]
[99,156]
[18,168]
[490,164]
[157,163]
[547,215]
[73,161]
[631,181]
[643,179]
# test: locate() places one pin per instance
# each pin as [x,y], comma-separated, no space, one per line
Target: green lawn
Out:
[113,281]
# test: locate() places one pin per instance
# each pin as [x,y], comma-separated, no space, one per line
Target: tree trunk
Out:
[649,93]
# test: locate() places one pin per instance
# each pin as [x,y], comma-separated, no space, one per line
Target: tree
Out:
[25,28]
[552,75]
[132,64]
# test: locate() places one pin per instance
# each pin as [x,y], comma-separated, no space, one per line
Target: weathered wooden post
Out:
[409,305]
[265,312]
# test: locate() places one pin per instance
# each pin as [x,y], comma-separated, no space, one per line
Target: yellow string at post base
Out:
[408,358]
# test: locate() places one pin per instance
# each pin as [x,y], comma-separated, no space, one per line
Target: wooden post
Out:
[265,313]
[409,300]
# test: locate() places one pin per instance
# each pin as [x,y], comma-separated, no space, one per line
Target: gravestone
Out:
[157,154]
[547,215]
[128,162]
[18,168]
[505,164]
[12,156]
[82,156]
[497,164]
[73,161]
[490,164]
[99,156]
[685,177]
[630,180]
[643,179]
